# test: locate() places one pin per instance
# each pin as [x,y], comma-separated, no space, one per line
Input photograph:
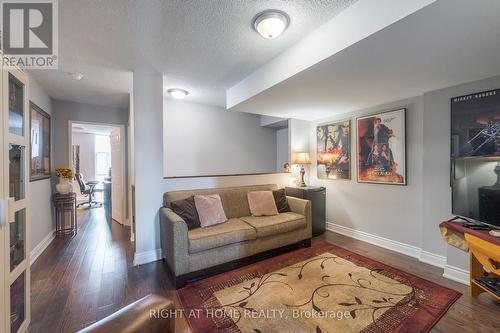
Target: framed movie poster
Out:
[381,144]
[334,150]
[40,143]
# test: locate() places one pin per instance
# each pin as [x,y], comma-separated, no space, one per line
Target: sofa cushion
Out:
[186,209]
[234,199]
[274,225]
[262,203]
[209,208]
[281,201]
[233,231]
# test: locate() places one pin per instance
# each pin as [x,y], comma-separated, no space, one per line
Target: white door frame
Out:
[8,277]
[124,163]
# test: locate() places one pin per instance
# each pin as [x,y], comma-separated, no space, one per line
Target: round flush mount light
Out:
[271,23]
[177,93]
[76,76]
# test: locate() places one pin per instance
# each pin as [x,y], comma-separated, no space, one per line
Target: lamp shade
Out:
[301,158]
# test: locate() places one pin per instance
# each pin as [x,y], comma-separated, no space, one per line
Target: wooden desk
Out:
[484,252]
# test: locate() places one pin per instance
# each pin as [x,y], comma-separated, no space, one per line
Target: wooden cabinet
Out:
[483,255]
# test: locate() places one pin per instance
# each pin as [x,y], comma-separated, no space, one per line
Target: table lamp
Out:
[302,159]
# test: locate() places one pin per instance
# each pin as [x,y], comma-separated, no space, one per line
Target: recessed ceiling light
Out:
[177,93]
[271,23]
[76,76]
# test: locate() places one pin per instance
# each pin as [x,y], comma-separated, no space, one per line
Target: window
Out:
[102,157]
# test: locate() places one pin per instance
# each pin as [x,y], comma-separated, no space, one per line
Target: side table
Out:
[65,206]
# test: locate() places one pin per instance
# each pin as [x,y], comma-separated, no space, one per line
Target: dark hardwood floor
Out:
[82,279]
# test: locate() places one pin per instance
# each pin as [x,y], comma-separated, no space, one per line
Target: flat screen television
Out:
[475,157]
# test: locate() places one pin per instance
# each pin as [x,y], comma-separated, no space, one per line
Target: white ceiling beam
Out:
[357,22]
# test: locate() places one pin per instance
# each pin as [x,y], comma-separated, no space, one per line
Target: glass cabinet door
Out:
[16,172]
[15,235]
[16,106]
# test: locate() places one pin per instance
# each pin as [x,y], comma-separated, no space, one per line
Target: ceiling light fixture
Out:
[177,93]
[271,23]
[76,76]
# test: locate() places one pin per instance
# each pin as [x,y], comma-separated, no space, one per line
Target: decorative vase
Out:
[64,186]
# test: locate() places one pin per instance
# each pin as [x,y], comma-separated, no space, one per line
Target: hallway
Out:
[79,280]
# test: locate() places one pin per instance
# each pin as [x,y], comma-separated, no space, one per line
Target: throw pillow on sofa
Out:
[186,209]
[281,201]
[209,209]
[262,203]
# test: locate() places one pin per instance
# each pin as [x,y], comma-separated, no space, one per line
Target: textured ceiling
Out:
[447,43]
[205,46]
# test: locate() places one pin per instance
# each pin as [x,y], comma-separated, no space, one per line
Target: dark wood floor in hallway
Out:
[79,280]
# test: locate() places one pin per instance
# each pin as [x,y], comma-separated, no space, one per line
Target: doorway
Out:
[98,153]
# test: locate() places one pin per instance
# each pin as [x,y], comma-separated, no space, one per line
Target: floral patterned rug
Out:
[324,288]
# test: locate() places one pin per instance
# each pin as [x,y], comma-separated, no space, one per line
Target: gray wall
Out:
[389,211]
[436,188]
[64,111]
[412,213]
[40,204]
[282,148]
[149,182]
[202,140]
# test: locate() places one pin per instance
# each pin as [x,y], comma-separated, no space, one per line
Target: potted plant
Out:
[65,184]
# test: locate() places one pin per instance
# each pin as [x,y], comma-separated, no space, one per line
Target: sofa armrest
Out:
[303,207]
[174,241]
[144,315]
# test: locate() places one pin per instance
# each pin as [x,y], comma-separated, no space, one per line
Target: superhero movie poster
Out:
[475,125]
[334,150]
[382,148]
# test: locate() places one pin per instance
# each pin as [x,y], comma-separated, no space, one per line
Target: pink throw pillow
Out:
[209,208]
[262,203]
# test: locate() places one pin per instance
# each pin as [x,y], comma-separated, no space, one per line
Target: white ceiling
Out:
[447,43]
[205,46]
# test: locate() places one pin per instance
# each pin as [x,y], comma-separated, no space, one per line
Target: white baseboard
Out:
[38,250]
[386,243]
[141,258]
[450,272]
[432,259]
[456,274]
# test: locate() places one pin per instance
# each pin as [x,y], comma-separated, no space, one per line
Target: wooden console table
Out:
[65,205]
[484,252]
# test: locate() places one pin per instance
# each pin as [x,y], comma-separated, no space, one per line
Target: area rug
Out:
[324,288]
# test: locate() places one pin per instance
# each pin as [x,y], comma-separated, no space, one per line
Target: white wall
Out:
[40,205]
[150,184]
[202,140]
[86,141]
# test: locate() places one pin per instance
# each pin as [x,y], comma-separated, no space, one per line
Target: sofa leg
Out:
[179,282]
[307,242]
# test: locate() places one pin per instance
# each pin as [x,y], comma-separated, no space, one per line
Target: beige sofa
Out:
[243,239]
